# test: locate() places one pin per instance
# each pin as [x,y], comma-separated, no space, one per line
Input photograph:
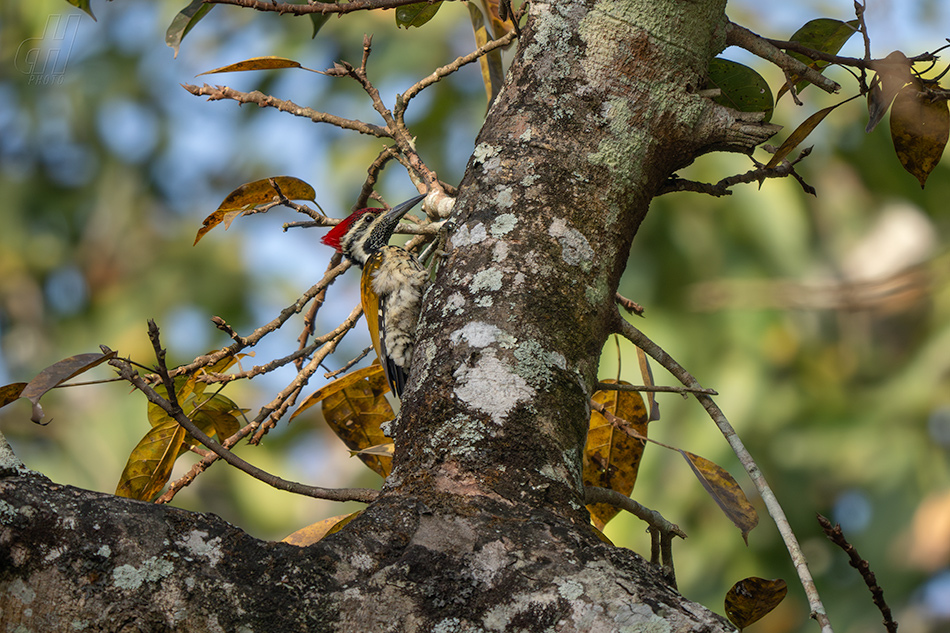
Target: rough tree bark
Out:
[482,525]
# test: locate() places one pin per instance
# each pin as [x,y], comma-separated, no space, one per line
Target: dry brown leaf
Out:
[313,533]
[725,491]
[58,373]
[920,127]
[751,599]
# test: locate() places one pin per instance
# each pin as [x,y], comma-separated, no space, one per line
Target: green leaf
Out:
[84,5]
[186,20]
[416,14]
[825,35]
[741,88]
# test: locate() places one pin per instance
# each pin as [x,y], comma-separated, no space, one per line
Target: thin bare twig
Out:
[653,350]
[257,370]
[269,415]
[629,305]
[440,73]
[314,7]
[218,93]
[172,408]
[836,536]
[722,188]
[311,316]
[345,368]
[255,336]
[609,386]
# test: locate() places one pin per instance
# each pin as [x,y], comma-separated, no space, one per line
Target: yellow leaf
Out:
[151,461]
[493,74]
[255,63]
[252,194]
[384,450]
[354,406]
[725,491]
[751,599]
[150,464]
[355,413]
[612,455]
[313,533]
[11,392]
[343,382]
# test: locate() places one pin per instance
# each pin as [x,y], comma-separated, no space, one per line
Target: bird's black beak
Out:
[395,214]
[385,226]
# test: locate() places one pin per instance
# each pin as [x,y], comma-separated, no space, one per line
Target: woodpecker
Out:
[391,285]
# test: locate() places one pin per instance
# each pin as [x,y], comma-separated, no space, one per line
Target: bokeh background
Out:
[823,322]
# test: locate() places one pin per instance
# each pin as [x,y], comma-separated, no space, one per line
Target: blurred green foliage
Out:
[824,323]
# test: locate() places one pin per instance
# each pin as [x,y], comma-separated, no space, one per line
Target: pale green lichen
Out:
[479,334]
[499,252]
[483,152]
[596,295]
[131,578]
[489,279]
[466,236]
[575,249]
[105,551]
[490,386]
[570,589]
[8,513]
[196,544]
[503,224]
[535,363]
[505,197]
[22,591]
[454,304]
[448,625]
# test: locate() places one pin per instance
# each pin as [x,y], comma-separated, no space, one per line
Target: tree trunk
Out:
[482,525]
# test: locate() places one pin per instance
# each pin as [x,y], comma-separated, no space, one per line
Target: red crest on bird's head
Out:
[336,234]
